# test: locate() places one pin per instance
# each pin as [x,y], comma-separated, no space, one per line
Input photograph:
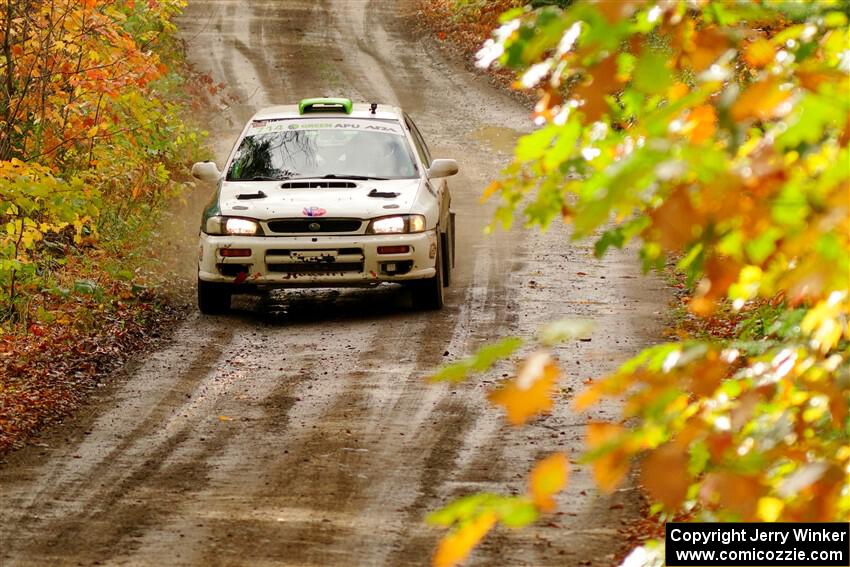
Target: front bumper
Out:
[316,261]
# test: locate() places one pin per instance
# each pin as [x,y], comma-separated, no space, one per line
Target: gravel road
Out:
[299,430]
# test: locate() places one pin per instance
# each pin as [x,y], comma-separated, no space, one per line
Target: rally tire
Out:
[213,298]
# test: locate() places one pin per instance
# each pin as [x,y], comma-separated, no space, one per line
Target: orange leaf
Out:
[732,492]
[708,45]
[677,91]
[664,474]
[718,444]
[589,396]
[702,123]
[759,53]
[812,77]
[529,394]
[610,468]
[720,273]
[673,223]
[601,80]
[548,477]
[708,374]
[490,190]
[760,101]
[616,11]
[456,546]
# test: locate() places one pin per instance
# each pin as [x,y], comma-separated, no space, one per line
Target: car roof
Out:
[358,110]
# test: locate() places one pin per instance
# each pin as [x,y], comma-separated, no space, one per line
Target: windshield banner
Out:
[269,126]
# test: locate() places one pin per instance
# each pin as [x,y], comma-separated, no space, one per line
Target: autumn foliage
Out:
[716,134]
[90,124]
[92,106]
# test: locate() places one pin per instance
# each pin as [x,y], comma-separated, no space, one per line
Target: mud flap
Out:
[445,258]
[452,235]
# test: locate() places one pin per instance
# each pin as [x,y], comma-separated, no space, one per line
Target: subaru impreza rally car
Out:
[327,193]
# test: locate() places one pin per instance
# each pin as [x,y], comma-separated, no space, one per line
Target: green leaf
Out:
[512,511]
[532,147]
[516,512]
[482,360]
[565,145]
[651,74]
[460,510]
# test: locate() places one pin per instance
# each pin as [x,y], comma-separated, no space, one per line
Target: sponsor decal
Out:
[314,211]
[364,125]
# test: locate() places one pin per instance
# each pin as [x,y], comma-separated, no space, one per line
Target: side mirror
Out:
[442,168]
[206,171]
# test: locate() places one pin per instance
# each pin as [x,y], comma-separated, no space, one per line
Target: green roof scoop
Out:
[324,105]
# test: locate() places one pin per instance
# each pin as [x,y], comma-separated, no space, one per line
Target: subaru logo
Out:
[314,226]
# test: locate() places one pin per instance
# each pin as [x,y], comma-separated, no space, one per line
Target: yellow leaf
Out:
[456,546]
[677,91]
[529,394]
[769,508]
[548,477]
[759,53]
[225,418]
[92,131]
[823,322]
[610,468]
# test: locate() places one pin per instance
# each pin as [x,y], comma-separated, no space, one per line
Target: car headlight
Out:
[231,226]
[398,224]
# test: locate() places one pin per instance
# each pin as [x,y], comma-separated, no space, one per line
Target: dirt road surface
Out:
[299,431]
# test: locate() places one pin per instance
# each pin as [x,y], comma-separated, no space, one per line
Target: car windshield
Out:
[310,148]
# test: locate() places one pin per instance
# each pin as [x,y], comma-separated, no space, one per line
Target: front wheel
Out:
[428,294]
[213,298]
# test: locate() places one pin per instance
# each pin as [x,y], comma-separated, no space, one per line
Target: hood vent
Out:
[318,185]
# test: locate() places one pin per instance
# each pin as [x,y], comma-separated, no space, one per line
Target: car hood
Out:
[394,196]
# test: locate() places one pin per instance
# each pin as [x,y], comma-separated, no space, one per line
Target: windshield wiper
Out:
[355,177]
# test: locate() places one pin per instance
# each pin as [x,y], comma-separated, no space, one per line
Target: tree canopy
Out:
[716,134]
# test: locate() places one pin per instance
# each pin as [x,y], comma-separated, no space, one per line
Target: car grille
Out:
[298,226]
[314,261]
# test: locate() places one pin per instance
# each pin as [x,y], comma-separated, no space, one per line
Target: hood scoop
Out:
[247,196]
[383,194]
[318,185]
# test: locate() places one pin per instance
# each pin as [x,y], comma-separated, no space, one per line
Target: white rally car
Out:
[326,193]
